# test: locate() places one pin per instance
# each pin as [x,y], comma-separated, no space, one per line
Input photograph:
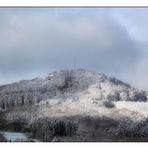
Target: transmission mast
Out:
[74,63]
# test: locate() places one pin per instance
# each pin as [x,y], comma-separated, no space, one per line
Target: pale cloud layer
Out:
[37,41]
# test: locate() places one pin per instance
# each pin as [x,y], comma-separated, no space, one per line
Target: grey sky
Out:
[36,41]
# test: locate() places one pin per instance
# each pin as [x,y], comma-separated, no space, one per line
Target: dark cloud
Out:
[36,41]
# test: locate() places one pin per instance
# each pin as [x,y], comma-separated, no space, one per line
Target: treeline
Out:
[11,100]
[79,128]
[48,128]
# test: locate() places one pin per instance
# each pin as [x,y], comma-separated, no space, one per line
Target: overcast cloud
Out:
[34,42]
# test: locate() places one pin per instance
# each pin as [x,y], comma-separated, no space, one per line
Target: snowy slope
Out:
[82,85]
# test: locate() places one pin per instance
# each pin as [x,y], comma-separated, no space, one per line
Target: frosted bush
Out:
[108,104]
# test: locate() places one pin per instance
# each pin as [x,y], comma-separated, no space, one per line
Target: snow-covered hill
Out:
[68,84]
[71,100]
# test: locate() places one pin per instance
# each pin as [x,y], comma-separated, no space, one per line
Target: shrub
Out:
[17,124]
[3,122]
[2,138]
[108,104]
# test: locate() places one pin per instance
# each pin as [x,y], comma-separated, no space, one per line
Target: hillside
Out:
[68,85]
[74,103]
